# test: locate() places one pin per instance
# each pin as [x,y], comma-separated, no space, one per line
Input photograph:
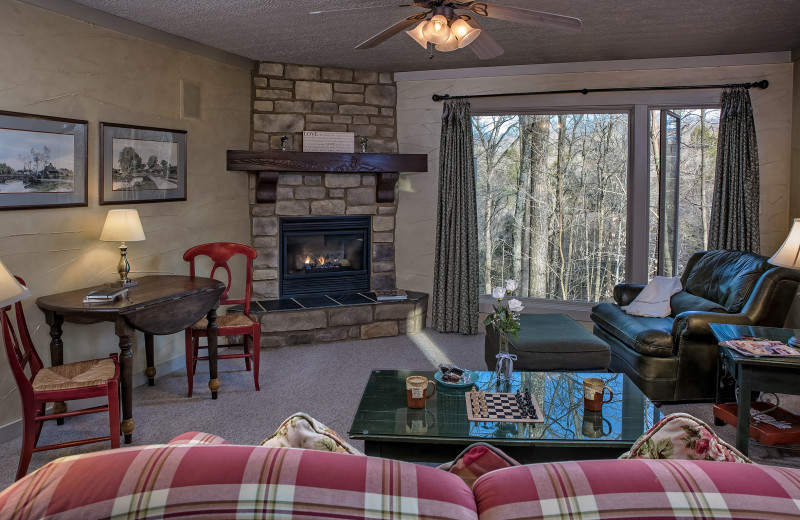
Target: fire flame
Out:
[321,260]
[308,259]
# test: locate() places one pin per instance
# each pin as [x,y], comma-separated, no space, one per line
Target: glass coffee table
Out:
[441,430]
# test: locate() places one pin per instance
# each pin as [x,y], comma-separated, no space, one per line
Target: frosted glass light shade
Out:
[416,33]
[466,31]
[436,30]
[10,289]
[788,255]
[450,45]
[122,225]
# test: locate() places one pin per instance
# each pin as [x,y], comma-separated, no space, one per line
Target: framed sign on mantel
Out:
[42,161]
[141,164]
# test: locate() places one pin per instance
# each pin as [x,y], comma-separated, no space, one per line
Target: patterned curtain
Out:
[734,212]
[455,272]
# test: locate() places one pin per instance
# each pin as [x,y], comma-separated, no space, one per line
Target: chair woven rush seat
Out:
[551,342]
[75,375]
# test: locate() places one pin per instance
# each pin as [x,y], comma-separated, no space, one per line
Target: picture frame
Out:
[43,161]
[141,164]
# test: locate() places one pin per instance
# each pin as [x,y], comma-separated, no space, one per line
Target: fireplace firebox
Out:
[324,255]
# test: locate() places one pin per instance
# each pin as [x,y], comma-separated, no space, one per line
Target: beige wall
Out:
[419,126]
[57,66]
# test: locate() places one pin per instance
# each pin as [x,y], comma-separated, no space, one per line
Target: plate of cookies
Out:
[455,377]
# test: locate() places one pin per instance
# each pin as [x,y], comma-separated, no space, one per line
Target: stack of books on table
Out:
[391,295]
[760,347]
[109,294]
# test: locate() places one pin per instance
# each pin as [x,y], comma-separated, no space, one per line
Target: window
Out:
[683,150]
[552,193]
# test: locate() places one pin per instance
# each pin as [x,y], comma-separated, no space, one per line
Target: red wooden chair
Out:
[80,380]
[231,324]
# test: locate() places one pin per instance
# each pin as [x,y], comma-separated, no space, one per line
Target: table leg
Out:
[743,410]
[718,393]
[211,332]
[124,332]
[150,371]
[56,353]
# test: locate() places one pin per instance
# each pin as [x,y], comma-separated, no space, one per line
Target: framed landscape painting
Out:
[141,164]
[42,161]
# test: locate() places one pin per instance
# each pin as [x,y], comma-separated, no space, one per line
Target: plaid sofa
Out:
[200,477]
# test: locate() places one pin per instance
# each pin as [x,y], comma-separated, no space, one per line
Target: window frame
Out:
[637,104]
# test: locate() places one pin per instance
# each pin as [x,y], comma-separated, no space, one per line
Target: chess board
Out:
[502,407]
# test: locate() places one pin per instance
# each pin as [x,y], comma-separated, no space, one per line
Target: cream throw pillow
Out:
[653,301]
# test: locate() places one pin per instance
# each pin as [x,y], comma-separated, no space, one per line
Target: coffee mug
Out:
[593,391]
[594,423]
[417,391]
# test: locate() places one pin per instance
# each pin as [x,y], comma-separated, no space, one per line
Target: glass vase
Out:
[505,363]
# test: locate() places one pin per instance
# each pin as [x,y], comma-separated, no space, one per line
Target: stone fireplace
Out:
[324,226]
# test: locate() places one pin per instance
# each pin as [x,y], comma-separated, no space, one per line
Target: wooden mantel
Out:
[269,164]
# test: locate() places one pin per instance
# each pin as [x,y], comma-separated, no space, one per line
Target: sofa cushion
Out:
[197,438]
[229,481]
[726,277]
[476,460]
[649,336]
[684,301]
[639,489]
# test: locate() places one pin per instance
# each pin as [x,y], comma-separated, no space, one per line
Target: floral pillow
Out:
[303,431]
[681,436]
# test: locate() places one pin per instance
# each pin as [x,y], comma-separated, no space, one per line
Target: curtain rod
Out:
[760,84]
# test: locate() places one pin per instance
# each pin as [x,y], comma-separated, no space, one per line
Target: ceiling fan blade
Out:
[524,16]
[391,31]
[485,47]
[355,9]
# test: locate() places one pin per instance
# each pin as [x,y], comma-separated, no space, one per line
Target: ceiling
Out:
[284,31]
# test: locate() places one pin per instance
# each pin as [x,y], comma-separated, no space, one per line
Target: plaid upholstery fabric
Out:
[643,488]
[229,481]
[197,438]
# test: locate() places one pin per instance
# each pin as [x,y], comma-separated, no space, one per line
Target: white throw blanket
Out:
[653,301]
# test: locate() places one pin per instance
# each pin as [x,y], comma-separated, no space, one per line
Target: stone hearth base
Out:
[305,321]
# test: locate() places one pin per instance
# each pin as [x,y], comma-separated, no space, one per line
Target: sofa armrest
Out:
[625,293]
[696,323]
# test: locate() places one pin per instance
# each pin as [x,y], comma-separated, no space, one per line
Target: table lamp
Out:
[11,290]
[788,255]
[123,225]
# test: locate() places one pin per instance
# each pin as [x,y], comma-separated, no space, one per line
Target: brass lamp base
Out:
[123,268]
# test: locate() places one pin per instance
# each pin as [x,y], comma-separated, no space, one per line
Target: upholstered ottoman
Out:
[549,342]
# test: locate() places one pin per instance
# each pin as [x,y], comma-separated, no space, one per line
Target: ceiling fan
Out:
[449,30]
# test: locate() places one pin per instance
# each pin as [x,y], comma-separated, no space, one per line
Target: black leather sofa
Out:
[675,358]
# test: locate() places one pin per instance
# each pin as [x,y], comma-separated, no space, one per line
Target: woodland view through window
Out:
[552,194]
[552,199]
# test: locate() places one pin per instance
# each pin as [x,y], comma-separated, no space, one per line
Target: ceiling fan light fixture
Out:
[450,45]
[436,30]
[416,34]
[466,30]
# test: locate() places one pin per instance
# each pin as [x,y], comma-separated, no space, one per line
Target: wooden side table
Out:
[159,305]
[765,374]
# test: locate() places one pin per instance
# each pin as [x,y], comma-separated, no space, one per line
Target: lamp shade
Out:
[122,225]
[450,45]
[466,31]
[10,289]
[789,253]
[436,30]
[416,33]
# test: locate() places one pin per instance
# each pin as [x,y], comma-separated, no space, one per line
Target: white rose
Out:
[498,293]
[515,305]
[511,285]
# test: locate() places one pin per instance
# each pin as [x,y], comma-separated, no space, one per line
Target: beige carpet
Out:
[325,381]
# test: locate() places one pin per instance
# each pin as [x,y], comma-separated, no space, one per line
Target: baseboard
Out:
[13,429]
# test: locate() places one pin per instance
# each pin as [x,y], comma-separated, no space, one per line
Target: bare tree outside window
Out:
[552,202]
